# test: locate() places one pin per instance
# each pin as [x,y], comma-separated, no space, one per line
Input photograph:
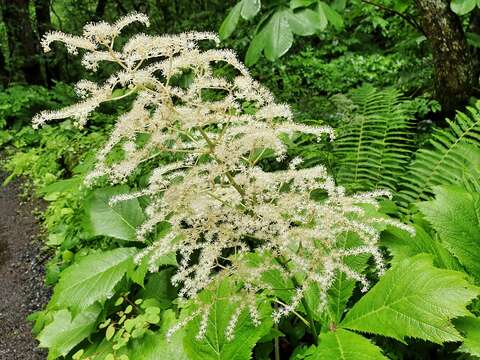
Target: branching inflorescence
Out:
[222,206]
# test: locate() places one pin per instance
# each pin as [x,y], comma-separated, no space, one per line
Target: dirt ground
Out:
[21,274]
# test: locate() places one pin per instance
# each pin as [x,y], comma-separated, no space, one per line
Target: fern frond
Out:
[452,154]
[374,147]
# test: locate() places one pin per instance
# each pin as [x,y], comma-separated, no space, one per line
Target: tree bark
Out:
[3,68]
[42,14]
[22,41]
[455,76]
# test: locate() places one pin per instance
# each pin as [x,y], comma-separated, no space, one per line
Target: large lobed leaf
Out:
[215,345]
[92,279]
[414,299]
[455,215]
[344,345]
[119,220]
[65,332]
[156,346]
[470,327]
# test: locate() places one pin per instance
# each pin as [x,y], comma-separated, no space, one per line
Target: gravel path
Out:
[21,275]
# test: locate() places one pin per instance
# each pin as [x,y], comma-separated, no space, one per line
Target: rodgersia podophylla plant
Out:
[221,205]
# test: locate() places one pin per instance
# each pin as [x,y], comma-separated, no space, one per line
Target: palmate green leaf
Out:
[215,346]
[414,299]
[64,333]
[462,7]
[470,328]
[231,21]
[278,35]
[250,8]
[294,4]
[305,22]
[331,15]
[455,215]
[92,279]
[119,220]
[344,345]
[155,346]
[255,48]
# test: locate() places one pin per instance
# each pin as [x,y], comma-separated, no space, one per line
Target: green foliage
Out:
[309,77]
[462,7]
[403,246]
[455,216]
[275,31]
[92,279]
[373,144]
[414,299]
[344,345]
[451,153]
[343,287]
[470,328]
[155,346]
[215,345]
[66,331]
[118,220]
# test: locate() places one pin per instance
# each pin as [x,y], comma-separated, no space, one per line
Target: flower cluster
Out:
[229,218]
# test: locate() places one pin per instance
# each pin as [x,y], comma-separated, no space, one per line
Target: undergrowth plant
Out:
[208,230]
[374,143]
[228,220]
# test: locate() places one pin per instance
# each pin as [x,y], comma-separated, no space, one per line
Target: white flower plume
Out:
[228,217]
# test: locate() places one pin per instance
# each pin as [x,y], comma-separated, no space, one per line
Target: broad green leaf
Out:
[92,279]
[470,328]
[332,16]
[250,8]
[255,48]
[278,35]
[414,299]
[155,346]
[64,333]
[338,5]
[215,345]
[61,186]
[402,246]
[230,22]
[119,220]
[322,16]
[462,7]
[455,215]
[304,22]
[345,345]
[294,4]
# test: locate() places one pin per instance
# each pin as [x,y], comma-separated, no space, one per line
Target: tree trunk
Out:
[42,14]
[3,68]
[455,78]
[23,44]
